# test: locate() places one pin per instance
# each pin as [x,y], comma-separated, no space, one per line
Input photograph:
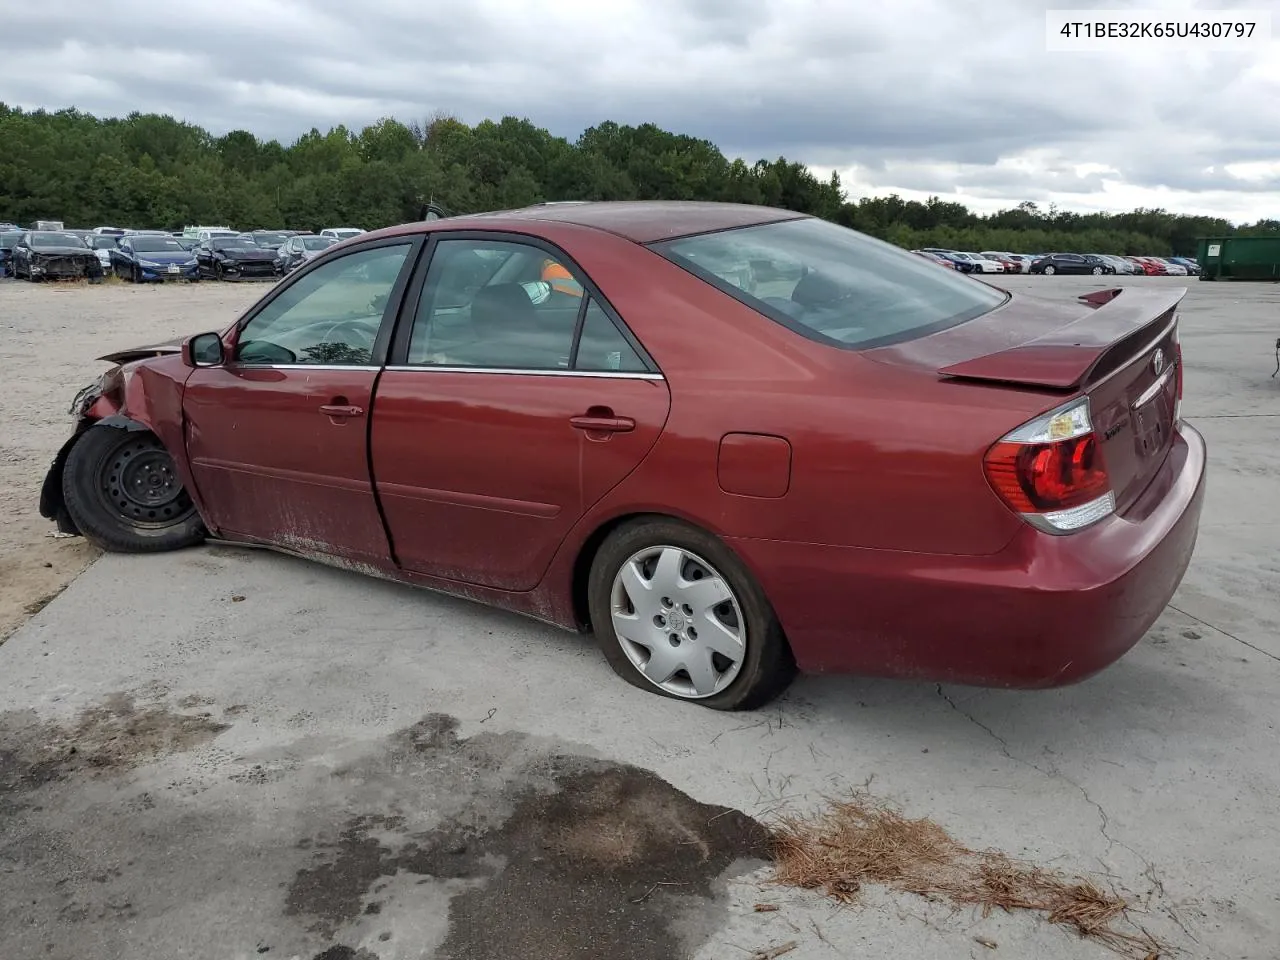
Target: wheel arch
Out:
[53,506]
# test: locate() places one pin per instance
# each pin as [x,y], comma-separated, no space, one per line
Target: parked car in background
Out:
[980,264]
[990,507]
[1150,266]
[102,244]
[187,243]
[201,234]
[935,258]
[1121,266]
[54,226]
[1072,263]
[341,233]
[1171,267]
[142,258]
[961,264]
[268,239]
[8,240]
[1192,267]
[233,258]
[110,231]
[1007,260]
[299,249]
[54,255]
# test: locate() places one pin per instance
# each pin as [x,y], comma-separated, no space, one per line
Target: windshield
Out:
[831,283]
[232,243]
[156,245]
[269,239]
[9,240]
[347,232]
[317,243]
[56,240]
[104,242]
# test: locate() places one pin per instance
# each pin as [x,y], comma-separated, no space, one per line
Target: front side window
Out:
[496,304]
[330,315]
[832,284]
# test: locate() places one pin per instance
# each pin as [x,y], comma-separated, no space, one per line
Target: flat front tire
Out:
[678,614]
[121,489]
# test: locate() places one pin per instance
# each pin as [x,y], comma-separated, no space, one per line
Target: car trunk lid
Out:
[1123,352]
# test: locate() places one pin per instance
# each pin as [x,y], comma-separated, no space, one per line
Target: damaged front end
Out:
[104,401]
[66,266]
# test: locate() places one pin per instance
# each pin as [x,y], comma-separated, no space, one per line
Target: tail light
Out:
[1051,470]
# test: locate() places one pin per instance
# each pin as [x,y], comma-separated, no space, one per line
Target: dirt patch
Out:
[862,840]
[599,865]
[53,332]
[112,736]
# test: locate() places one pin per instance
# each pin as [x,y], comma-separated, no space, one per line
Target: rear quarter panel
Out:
[882,458]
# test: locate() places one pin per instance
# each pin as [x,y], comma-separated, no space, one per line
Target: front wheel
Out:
[1097,271]
[1050,270]
[678,614]
[123,492]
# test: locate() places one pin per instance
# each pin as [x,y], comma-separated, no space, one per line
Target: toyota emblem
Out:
[1157,362]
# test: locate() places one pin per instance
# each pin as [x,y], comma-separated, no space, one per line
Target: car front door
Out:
[277,436]
[513,402]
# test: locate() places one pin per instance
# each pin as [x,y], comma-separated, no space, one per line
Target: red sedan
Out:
[730,441]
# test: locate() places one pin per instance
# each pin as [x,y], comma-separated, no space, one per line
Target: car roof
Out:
[641,221]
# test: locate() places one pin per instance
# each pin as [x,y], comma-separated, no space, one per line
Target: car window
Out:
[602,346]
[831,283]
[328,316]
[495,304]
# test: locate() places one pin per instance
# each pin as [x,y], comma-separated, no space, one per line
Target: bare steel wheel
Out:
[121,489]
[677,613]
[678,621]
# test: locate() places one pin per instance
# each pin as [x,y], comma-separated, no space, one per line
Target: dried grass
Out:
[863,840]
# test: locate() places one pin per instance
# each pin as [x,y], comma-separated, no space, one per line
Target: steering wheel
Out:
[365,338]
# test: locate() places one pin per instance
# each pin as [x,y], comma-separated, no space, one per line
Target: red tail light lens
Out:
[1051,470]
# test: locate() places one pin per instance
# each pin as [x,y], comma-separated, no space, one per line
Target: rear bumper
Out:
[1044,612]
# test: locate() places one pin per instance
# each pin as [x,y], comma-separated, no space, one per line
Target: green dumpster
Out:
[1239,258]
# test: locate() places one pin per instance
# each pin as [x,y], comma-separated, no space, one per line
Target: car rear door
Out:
[277,436]
[515,399]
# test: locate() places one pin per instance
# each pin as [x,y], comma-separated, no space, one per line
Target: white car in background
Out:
[102,245]
[1171,268]
[981,264]
[341,233]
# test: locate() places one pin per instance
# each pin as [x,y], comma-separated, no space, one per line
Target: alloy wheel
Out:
[678,622]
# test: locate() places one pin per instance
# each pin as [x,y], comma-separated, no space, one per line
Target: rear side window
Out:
[832,284]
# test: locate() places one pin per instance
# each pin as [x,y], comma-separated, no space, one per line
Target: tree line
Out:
[148,170]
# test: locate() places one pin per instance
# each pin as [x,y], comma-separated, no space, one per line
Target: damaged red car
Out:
[730,441]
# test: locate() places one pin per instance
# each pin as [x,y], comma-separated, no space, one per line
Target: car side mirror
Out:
[203,350]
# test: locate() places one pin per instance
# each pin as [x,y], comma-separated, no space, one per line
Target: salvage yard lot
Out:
[274,758]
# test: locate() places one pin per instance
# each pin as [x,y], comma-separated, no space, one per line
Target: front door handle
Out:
[603,424]
[341,410]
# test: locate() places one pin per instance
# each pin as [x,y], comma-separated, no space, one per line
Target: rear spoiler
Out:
[1122,323]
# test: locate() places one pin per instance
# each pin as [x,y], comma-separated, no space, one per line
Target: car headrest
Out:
[501,307]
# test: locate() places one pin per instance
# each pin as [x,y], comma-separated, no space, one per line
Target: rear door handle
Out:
[341,410]
[603,424]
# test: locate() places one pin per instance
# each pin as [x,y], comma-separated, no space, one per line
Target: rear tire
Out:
[1097,271]
[121,489]
[763,665]
[1050,270]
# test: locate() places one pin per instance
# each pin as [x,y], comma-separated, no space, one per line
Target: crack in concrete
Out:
[1206,623]
[1104,824]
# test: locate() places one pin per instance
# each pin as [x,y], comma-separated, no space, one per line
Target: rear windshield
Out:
[831,283]
[155,245]
[317,243]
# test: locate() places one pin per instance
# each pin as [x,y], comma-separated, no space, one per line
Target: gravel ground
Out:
[50,334]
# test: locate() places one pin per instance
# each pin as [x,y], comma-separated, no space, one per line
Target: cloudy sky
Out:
[955,97]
